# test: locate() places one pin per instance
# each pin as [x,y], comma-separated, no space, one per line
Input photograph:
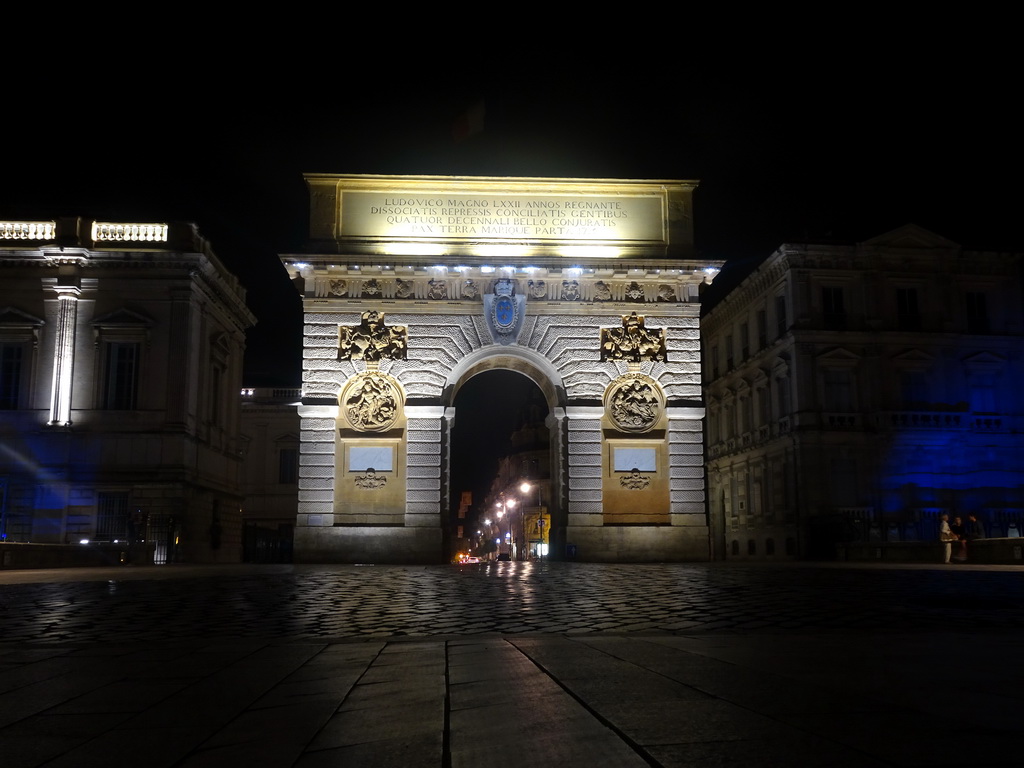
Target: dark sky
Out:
[782,151]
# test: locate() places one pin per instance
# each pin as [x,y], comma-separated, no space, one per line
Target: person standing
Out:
[946,536]
[960,534]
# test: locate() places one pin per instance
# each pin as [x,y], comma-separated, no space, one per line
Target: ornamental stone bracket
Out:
[370,481]
[634,481]
[633,342]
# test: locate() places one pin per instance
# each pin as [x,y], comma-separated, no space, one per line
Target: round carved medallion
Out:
[634,402]
[371,401]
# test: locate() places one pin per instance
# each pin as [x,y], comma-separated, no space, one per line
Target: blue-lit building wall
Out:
[858,391]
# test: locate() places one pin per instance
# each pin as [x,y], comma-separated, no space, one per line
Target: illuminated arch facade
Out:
[413,285]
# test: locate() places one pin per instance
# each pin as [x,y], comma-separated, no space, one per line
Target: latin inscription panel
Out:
[523,216]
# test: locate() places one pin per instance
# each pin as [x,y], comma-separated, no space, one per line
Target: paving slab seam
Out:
[640,751]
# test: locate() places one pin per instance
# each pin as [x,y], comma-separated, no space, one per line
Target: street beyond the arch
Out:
[567,664]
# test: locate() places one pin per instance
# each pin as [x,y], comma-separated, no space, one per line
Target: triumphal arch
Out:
[413,285]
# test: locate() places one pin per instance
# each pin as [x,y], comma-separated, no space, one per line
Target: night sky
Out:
[802,150]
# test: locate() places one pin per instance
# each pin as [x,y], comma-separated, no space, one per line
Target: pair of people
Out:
[958,533]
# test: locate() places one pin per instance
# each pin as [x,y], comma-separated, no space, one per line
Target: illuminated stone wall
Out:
[122,352]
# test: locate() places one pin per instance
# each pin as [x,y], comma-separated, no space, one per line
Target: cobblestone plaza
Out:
[534,663]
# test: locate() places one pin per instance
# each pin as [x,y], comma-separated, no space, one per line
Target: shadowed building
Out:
[857,392]
[120,362]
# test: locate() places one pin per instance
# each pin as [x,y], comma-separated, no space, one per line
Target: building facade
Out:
[120,365]
[857,392]
[270,472]
[411,286]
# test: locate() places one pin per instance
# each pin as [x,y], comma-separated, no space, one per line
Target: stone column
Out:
[63,354]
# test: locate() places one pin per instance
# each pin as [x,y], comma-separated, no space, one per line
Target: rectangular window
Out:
[10,375]
[781,323]
[977,313]
[763,406]
[288,466]
[744,341]
[833,310]
[714,362]
[216,394]
[112,516]
[983,393]
[914,391]
[762,329]
[907,316]
[782,396]
[728,352]
[121,379]
[838,390]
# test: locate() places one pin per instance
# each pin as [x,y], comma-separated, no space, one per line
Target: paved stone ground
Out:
[537,664]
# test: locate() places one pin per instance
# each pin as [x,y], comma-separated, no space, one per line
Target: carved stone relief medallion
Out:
[634,402]
[438,290]
[371,402]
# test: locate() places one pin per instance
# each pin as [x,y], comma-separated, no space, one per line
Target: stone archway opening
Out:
[501,466]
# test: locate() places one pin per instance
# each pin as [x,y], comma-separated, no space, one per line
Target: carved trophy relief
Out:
[633,342]
[372,340]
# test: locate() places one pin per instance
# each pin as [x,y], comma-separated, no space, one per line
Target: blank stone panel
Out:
[686,460]
[427,428]
[685,484]
[583,427]
[418,507]
[584,495]
[419,495]
[587,470]
[322,353]
[586,509]
[315,483]
[424,459]
[423,484]
[687,425]
[586,460]
[318,508]
[585,483]
[312,425]
[686,449]
[433,470]
[686,496]
[327,496]
[691,472]
[421,449]
[321,448]
[317,436]
[316,460]
[305,470]
[426,520]
[576,449]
